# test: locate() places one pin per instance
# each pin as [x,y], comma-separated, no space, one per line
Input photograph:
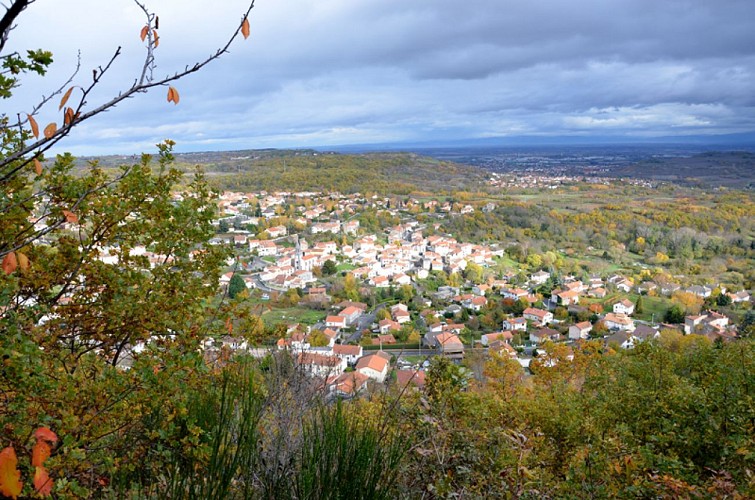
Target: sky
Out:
[340,72]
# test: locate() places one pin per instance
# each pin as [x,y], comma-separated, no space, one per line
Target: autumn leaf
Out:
[64,100]
[42,482]
[10,263]
[50,130]
[23,261]
[173,95]
[157,38]
[10,485]
[45,434]
[229,326]
[144,32]
[40,453]
[70,216]
[245,28]
[33,125]
[37,166]
[69,116]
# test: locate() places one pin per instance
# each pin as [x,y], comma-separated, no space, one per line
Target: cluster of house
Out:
[344,369]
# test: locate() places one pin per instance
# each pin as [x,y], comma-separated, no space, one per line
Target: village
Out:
[411,317]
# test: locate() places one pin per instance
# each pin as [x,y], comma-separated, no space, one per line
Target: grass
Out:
[293,315]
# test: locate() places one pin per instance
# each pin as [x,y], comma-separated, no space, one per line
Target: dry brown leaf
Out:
[10,263]
[33,125]
[23,261]
[37,166]
[50,130]
[69,116]
[144,32]
[173,95]
[64,100]
[157,38]
[70,216]
[245,28]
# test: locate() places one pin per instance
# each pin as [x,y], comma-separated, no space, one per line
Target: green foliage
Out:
[329,268]
[674,315]
[236,285]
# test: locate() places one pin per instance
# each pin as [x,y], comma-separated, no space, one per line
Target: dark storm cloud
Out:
[340,71]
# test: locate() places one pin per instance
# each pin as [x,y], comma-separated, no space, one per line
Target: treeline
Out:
[383,173]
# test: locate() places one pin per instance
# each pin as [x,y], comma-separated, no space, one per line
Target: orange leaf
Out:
[173,95]
[23,261]
[50,130]
[68,117]
[245,28]
[70,216]
[64,100]
[43,433]
[40,453]
[37,166]
[10,486]
[144,32]
[42,482]
[157,38]
[33,125]
[229,326]
[10,263]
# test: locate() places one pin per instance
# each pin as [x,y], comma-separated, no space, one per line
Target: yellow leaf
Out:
[144,32]
[37,166]
[245,28]
[50,130]
[34,126]
[23,261]
[64,100]
[10,263]
[70,216]
[173,95]
[10,486]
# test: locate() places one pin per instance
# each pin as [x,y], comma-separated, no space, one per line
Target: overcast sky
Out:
[334,72]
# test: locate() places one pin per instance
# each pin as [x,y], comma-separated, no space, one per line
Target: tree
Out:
[79,293]
[639,306]
[674,314]
[329,268]
[318,339]
[236,285]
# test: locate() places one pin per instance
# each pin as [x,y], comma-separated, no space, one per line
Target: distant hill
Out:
[271,169]
[731,169]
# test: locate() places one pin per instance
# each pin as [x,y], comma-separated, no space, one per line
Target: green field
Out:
[292,315]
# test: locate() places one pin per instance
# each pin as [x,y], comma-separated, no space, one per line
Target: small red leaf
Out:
[70,216]
[42,482]
[10,263]
[45,434]
[245,28]
[68,117]
[33,125]
[144,32]
[173,95]
[40,453]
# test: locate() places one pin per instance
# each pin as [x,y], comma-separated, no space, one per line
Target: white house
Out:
[624,306]
[580,330]
[517,324]
[374,366]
